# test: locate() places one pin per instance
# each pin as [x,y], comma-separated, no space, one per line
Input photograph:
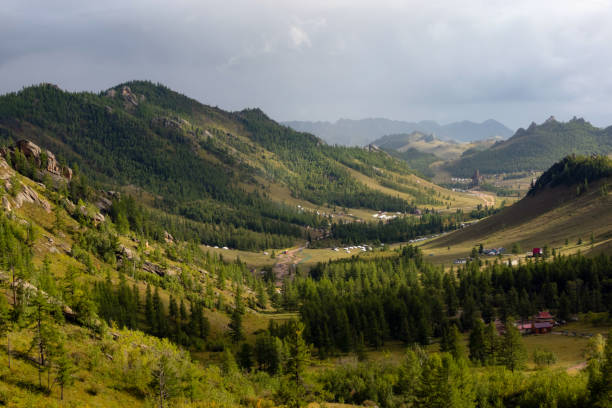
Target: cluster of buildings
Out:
[493,251]
[362,248]
[541,323]
[383,216]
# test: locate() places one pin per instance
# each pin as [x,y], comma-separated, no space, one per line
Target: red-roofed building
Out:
[541,323]
[545,317]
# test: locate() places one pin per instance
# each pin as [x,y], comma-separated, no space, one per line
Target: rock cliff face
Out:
[27,195]
[131,99]
[24,193]
[33,152]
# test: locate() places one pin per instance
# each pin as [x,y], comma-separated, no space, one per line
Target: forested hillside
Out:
[576,171]
[536,148]
[211,169]
[93,313]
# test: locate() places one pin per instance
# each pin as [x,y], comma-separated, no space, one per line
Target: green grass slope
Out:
[536,148]
[560,211]
[205,165]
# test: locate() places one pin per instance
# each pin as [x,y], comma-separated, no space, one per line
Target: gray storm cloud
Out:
[321,60]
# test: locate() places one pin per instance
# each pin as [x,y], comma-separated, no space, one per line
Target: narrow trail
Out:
[284,262]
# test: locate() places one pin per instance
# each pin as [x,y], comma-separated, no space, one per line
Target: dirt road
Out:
[284,262]
[488,199]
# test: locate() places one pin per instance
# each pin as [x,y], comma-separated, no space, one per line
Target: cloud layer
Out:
[320,60]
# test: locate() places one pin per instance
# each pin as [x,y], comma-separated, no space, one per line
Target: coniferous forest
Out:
[113,291]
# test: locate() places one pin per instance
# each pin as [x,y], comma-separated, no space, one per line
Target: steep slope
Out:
[569,203]
[214,170]
[536,148]
[360,132]
[72,279]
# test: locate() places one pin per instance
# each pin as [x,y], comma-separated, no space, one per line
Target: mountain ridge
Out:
[217,171]
[364,131]
[536,148]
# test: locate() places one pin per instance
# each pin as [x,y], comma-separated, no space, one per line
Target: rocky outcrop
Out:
[125,252]
[153,268]
[103,203]
[6,204]
[6,172]
[172,123]
[97,217]
[27,286]
[168,238]
[27,195]
[44,159]
[131,100]
[68,205]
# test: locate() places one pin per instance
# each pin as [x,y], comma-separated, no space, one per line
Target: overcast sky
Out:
[515,61]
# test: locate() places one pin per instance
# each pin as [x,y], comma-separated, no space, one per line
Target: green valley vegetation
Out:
[207,170]
[131,309]
[536,148]
[74,328]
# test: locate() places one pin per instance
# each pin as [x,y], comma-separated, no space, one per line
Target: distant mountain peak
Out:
[363,131]
[537,147]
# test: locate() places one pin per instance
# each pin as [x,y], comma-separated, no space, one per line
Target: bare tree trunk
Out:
[8,349]
[62,392]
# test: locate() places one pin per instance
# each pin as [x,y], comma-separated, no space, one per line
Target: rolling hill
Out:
[443,149]
[361,132]
[536,148]
[569,204]
[223,178]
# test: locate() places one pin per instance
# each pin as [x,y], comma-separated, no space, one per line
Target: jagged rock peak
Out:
[551,119]
[131,99]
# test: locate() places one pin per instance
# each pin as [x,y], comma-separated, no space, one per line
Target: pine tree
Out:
[149,311]
[444,383]
[298,354]
[65,371]
[235,325]
[198,323]
[268,353]
[46,335]
[477,343]
[513,352]
[173,314]
[159,318]
[603,398]
[245,357]
[491,344]
[468,314]
[451,342]
[165,378]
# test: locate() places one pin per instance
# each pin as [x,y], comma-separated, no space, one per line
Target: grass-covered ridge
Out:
[536,148]
[206,165]
[574,170]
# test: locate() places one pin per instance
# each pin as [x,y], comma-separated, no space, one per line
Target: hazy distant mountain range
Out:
[360,132]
